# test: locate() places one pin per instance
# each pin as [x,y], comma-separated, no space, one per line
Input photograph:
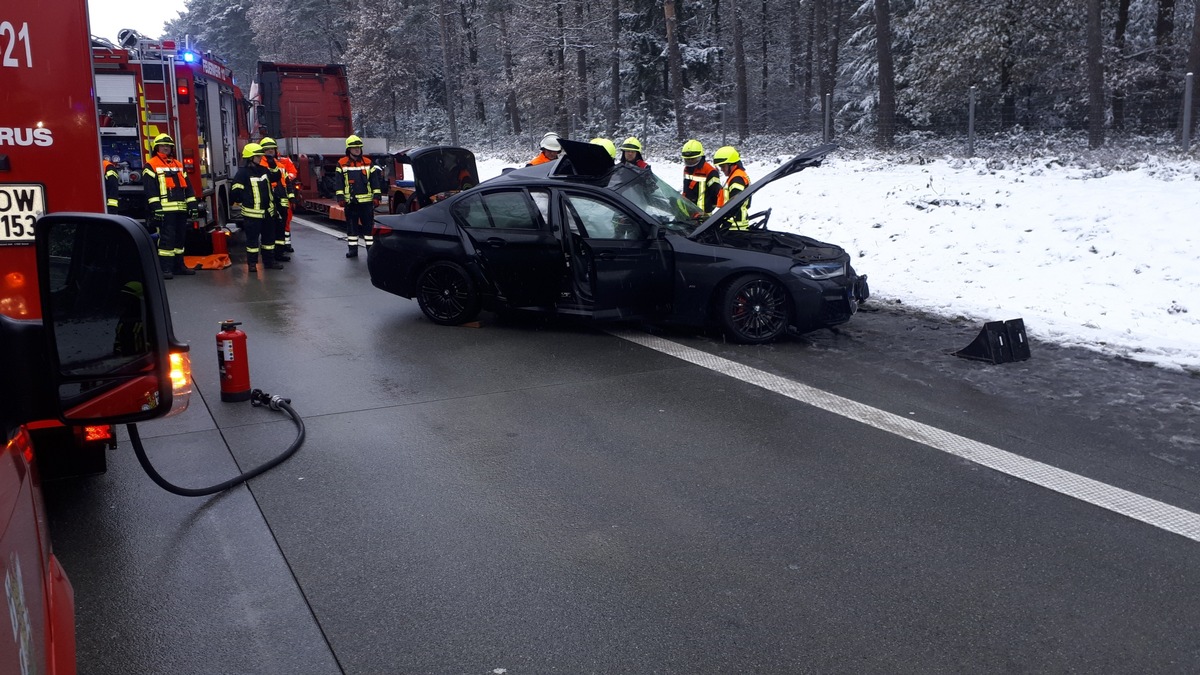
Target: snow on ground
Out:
[1104,260]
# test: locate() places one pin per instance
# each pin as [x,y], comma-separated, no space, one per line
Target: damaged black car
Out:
[582,237]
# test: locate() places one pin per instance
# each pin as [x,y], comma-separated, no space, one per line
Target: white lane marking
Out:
[318,227]
[1145,509]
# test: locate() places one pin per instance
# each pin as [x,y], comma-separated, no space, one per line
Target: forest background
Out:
[870,73]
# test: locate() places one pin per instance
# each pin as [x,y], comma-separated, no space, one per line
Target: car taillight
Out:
[381,231]
[181,382]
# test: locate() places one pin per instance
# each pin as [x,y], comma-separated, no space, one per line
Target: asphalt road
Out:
[546,497]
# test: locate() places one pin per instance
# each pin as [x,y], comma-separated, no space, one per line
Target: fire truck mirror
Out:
[105,317]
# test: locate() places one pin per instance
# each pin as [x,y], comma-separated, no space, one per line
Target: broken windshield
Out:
[658,200]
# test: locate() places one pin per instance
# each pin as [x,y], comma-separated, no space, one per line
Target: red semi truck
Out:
[306,109]
[85,334]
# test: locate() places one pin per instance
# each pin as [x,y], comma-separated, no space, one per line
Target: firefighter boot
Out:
[181,268]
[353,252]
[252,262]
[166,264]
[269,261]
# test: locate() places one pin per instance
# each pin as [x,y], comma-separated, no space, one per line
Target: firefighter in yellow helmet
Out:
[736,180]
[701,180]
[631,153]
[279,200]
[171,202]
[252,189]
[360,189]
[287,173]
[607,145]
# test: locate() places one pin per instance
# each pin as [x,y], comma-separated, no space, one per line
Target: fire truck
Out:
[85,334]
[147,87]
[306,109]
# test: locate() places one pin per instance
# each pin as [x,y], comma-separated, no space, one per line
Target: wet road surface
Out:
[534,497]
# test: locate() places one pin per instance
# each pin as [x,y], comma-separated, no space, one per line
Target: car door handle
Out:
[607,256]
[495,242]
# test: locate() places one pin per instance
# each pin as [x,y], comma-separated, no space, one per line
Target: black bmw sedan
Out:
[580,236]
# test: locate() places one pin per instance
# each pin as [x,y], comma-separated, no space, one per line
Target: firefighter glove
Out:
[341,202]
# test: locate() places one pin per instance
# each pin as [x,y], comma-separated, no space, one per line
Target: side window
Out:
[600,220]
[509,210]
[470,212]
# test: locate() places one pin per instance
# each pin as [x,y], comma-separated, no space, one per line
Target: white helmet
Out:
[550,142]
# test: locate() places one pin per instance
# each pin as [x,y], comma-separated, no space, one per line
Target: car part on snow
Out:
[998,342]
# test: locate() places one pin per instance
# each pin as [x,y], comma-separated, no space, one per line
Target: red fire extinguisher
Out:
[232,362]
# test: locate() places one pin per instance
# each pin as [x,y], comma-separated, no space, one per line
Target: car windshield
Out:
[658,200]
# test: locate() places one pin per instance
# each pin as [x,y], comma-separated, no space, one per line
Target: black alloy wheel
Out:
[446,294]
[753,309]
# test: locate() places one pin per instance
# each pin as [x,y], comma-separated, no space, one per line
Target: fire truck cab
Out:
[147,87]
[85,334]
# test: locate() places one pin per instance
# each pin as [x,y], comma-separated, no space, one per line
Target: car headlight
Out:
[818,271]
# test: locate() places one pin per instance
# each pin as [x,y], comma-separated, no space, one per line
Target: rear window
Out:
[507,210]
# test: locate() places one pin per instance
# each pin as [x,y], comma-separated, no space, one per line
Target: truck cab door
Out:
[515,249]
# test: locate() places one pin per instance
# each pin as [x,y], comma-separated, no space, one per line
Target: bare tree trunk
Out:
[1118,97]
[581,69]
[887,79]
[766,25]
[560,64]
[468,24]
[675,64]
[510,101]
[1193,62]
[1095,69]
[739,64]
[447,70]
[1164,27]
[614,112]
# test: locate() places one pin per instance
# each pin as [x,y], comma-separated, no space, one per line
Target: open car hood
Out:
[804,160]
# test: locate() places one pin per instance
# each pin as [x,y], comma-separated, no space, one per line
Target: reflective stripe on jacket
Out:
[166,184]
[252,189]
[735,183]
[112,184]
[702,186]
[359,181]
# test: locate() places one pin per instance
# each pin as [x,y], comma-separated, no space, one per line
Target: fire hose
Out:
[257,398]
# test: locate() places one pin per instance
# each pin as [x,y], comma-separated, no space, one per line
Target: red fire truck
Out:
[147,87]
[68,283]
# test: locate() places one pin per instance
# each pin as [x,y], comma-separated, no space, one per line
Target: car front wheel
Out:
[753,309]
[447,295]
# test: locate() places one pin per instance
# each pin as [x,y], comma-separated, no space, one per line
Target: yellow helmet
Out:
[163,139]
[692,149]
[632,143]
[252,150]
[726,155]
[267,143]
[353,142]
[607,145]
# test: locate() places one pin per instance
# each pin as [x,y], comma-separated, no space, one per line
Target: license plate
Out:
[20,206]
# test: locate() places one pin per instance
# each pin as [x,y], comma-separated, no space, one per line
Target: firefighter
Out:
[548,150]
[607,145]
[171,203]
[252,189]
[280,201]
[736,180]
[112,186]
[701,180]
[360,189]
[631,153]
[283,236]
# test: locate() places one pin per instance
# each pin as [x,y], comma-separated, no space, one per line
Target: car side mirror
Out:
[111,350]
